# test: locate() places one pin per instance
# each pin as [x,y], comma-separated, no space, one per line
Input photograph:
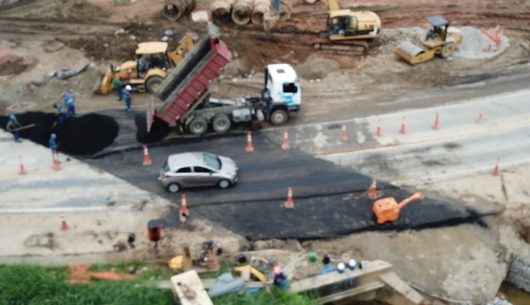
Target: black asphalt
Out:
[329,200]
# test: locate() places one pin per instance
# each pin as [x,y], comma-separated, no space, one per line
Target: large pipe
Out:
[261,7]
[241,12]
[174,9]
[221,10]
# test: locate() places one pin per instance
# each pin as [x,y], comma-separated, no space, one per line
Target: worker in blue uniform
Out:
[13,126]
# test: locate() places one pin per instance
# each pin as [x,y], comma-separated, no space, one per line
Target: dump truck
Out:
[157,60]
[186,102]
[440,40]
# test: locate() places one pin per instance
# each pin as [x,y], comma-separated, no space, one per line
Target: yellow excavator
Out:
[347,24]
[147,71]
[440,40]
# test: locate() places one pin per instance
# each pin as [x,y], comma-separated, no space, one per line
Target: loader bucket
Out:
[104,84]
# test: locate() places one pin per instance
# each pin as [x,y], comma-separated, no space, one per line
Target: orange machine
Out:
[387,209]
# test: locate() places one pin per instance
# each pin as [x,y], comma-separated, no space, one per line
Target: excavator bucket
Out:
[104,85]
[413,54]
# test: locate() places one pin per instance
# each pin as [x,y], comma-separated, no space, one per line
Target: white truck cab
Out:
[282,86]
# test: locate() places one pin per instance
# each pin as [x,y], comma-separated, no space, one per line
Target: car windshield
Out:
[212,161]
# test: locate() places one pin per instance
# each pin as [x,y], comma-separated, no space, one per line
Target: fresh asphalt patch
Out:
[329,200]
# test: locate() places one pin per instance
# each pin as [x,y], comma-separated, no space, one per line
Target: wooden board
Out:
[402,288]
[335,277]
[190,279]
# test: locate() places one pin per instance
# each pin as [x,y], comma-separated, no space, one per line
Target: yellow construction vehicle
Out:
[440,40]
[347,24]
[146,72]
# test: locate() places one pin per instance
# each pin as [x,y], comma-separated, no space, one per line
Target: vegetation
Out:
[34,285]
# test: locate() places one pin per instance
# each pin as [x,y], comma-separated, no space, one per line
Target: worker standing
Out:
[118,85]
[13,126]
[69,103]
[126,96]
[53,145]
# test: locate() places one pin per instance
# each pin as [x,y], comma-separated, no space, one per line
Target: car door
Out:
[184,176]
[205,176]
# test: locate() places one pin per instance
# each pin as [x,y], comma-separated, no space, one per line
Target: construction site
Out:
[292,152]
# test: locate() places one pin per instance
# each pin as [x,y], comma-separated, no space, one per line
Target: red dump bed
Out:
[189,81]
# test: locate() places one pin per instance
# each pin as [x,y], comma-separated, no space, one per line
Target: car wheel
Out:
[224,184]
[221,123]
[198,126]
[173,188]
[279,117]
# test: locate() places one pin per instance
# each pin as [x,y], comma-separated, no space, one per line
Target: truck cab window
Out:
[290,88]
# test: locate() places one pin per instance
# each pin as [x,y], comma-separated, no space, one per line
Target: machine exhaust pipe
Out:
[241,12]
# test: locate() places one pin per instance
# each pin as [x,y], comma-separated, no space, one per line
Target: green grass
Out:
[34,285]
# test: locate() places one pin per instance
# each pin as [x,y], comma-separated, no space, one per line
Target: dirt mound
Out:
[316,67]
[83,135]
[11,64]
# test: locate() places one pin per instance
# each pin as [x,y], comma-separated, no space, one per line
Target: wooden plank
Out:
[335,277]
[351,292]
[190,280]
[399,286]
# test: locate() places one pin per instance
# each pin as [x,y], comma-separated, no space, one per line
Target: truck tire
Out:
[221,123]
[279,117]
[152,84]
[198,126]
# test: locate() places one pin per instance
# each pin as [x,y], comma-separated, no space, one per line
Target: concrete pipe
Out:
[174,9]
[241,12]
[221,10]
[261,7]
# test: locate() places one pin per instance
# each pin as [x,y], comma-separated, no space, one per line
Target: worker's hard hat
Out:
[352,264]
[341,267]
[12,116]
[53,135]
[128,88]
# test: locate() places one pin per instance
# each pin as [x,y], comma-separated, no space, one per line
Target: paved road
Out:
[330,200]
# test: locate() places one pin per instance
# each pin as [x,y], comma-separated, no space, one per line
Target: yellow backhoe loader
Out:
[347,24]
[440,40]
[146,72]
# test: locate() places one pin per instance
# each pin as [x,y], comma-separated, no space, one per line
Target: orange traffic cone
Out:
[496,169]
[21,168]
[403,127]
[285,142]
[344,134]
[184,211]
[249,147]
[64,225]
[147,158]
[372,192]
[289,203]
[436,124]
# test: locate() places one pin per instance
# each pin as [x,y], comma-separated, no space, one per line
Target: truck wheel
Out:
[198,126]
[152,84]
[279,117]
[221,123]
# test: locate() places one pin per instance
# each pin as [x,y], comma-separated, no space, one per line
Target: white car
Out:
[196,169]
